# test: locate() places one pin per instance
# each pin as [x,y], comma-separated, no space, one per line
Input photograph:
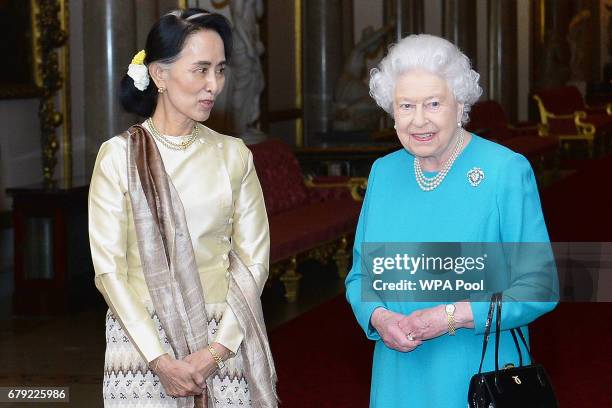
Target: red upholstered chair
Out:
[488,119]
[308,218]
[564,114]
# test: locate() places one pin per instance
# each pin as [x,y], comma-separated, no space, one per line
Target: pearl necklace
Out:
[430,183]
[165,140]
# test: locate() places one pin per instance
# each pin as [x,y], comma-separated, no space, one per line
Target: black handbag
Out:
[526,386]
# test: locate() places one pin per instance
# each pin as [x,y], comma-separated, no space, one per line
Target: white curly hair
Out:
[432,54]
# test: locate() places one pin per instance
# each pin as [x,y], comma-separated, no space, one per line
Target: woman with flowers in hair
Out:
[179,234]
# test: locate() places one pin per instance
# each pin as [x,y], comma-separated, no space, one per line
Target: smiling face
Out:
[194,80]
[426,116]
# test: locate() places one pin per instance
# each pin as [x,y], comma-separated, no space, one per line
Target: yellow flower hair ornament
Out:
[138,71]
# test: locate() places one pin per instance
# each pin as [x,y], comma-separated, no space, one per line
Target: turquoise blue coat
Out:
[504,207]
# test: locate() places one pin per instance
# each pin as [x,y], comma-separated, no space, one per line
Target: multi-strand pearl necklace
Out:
[165,140]
[430,183]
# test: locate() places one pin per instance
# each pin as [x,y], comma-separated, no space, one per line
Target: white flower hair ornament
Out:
[139,72]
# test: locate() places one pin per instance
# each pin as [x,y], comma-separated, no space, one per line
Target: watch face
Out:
[450,309]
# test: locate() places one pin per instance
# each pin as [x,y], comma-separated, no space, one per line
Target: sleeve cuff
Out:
[229,334]
[370,331]
[145,335]
[480,309]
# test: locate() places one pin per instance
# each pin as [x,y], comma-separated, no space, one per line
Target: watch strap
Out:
[450,317]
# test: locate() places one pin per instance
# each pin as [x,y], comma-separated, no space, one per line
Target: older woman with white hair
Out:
[445,185]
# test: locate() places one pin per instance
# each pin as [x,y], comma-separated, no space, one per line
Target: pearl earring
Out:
[161,90]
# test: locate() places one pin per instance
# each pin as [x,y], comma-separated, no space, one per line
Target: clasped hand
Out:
[183,378]
[405,333]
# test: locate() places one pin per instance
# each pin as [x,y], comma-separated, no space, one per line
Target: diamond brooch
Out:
[475,176]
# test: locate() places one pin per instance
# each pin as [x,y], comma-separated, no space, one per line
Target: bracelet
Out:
[450,317]
[153,364]
[216,357]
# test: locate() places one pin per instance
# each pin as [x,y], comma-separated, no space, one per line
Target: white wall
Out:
[20,152]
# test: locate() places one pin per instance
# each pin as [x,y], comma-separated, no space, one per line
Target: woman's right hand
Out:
[179,378]
[386,324]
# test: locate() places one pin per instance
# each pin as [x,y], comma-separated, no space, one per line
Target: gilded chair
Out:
[564,114]
[308,218]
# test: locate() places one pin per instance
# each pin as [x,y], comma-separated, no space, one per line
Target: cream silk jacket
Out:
[224,207]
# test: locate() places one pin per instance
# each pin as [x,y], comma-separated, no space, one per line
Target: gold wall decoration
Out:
[51,34]
[66,105]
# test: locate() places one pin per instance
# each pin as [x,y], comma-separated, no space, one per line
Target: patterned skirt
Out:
[128,382]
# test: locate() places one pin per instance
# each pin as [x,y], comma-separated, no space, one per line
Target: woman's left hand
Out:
[432,322]
[425,324]
[204,361]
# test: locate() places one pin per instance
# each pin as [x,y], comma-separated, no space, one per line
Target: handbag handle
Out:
[517,347]
[496,301]
[520,333]
[513,331]
[487,331]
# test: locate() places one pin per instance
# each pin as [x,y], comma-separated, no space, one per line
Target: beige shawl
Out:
[171,274]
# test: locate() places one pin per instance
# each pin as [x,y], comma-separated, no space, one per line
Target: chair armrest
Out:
[568,116]
[585,128]
[355,185]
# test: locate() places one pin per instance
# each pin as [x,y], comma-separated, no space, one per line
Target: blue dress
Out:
[503,207]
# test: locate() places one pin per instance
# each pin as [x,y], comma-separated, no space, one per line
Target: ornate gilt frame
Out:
[51,34]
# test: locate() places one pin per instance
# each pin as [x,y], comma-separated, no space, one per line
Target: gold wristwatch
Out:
[216,357]
[450,316]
